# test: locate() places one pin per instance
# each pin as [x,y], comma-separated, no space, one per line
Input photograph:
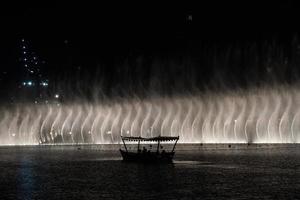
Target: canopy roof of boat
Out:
[154,139]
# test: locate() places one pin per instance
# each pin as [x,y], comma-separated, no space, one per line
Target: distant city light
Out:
[45,84]
[56,96]
[30,62]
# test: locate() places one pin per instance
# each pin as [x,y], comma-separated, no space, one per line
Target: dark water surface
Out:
[68,173]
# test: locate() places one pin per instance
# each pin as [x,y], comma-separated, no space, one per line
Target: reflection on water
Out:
[57,173]
[198,164]
[27,180]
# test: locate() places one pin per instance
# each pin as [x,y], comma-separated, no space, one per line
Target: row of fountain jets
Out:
[261,115]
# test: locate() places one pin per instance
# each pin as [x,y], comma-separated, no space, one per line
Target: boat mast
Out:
[157,150]
[175,144]
[124,144]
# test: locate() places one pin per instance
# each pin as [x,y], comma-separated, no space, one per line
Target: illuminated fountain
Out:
[263,115]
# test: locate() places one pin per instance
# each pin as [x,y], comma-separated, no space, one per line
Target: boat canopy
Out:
[152,139]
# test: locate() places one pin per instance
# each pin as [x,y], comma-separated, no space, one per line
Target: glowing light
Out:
[56,96]
[45,84]
[217,126]
[29,83]
[13,134]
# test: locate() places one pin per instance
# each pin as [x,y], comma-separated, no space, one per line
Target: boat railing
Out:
[158,144]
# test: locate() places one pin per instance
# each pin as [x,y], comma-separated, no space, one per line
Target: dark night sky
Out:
[97,30]
[89,35]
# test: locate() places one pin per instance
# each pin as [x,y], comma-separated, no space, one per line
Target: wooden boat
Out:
[148,156]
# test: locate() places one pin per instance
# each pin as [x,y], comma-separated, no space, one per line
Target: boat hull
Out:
[147,157]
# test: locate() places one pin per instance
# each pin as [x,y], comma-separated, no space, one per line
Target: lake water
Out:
[69,173]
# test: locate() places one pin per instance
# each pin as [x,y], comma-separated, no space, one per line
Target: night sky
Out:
[137,47]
